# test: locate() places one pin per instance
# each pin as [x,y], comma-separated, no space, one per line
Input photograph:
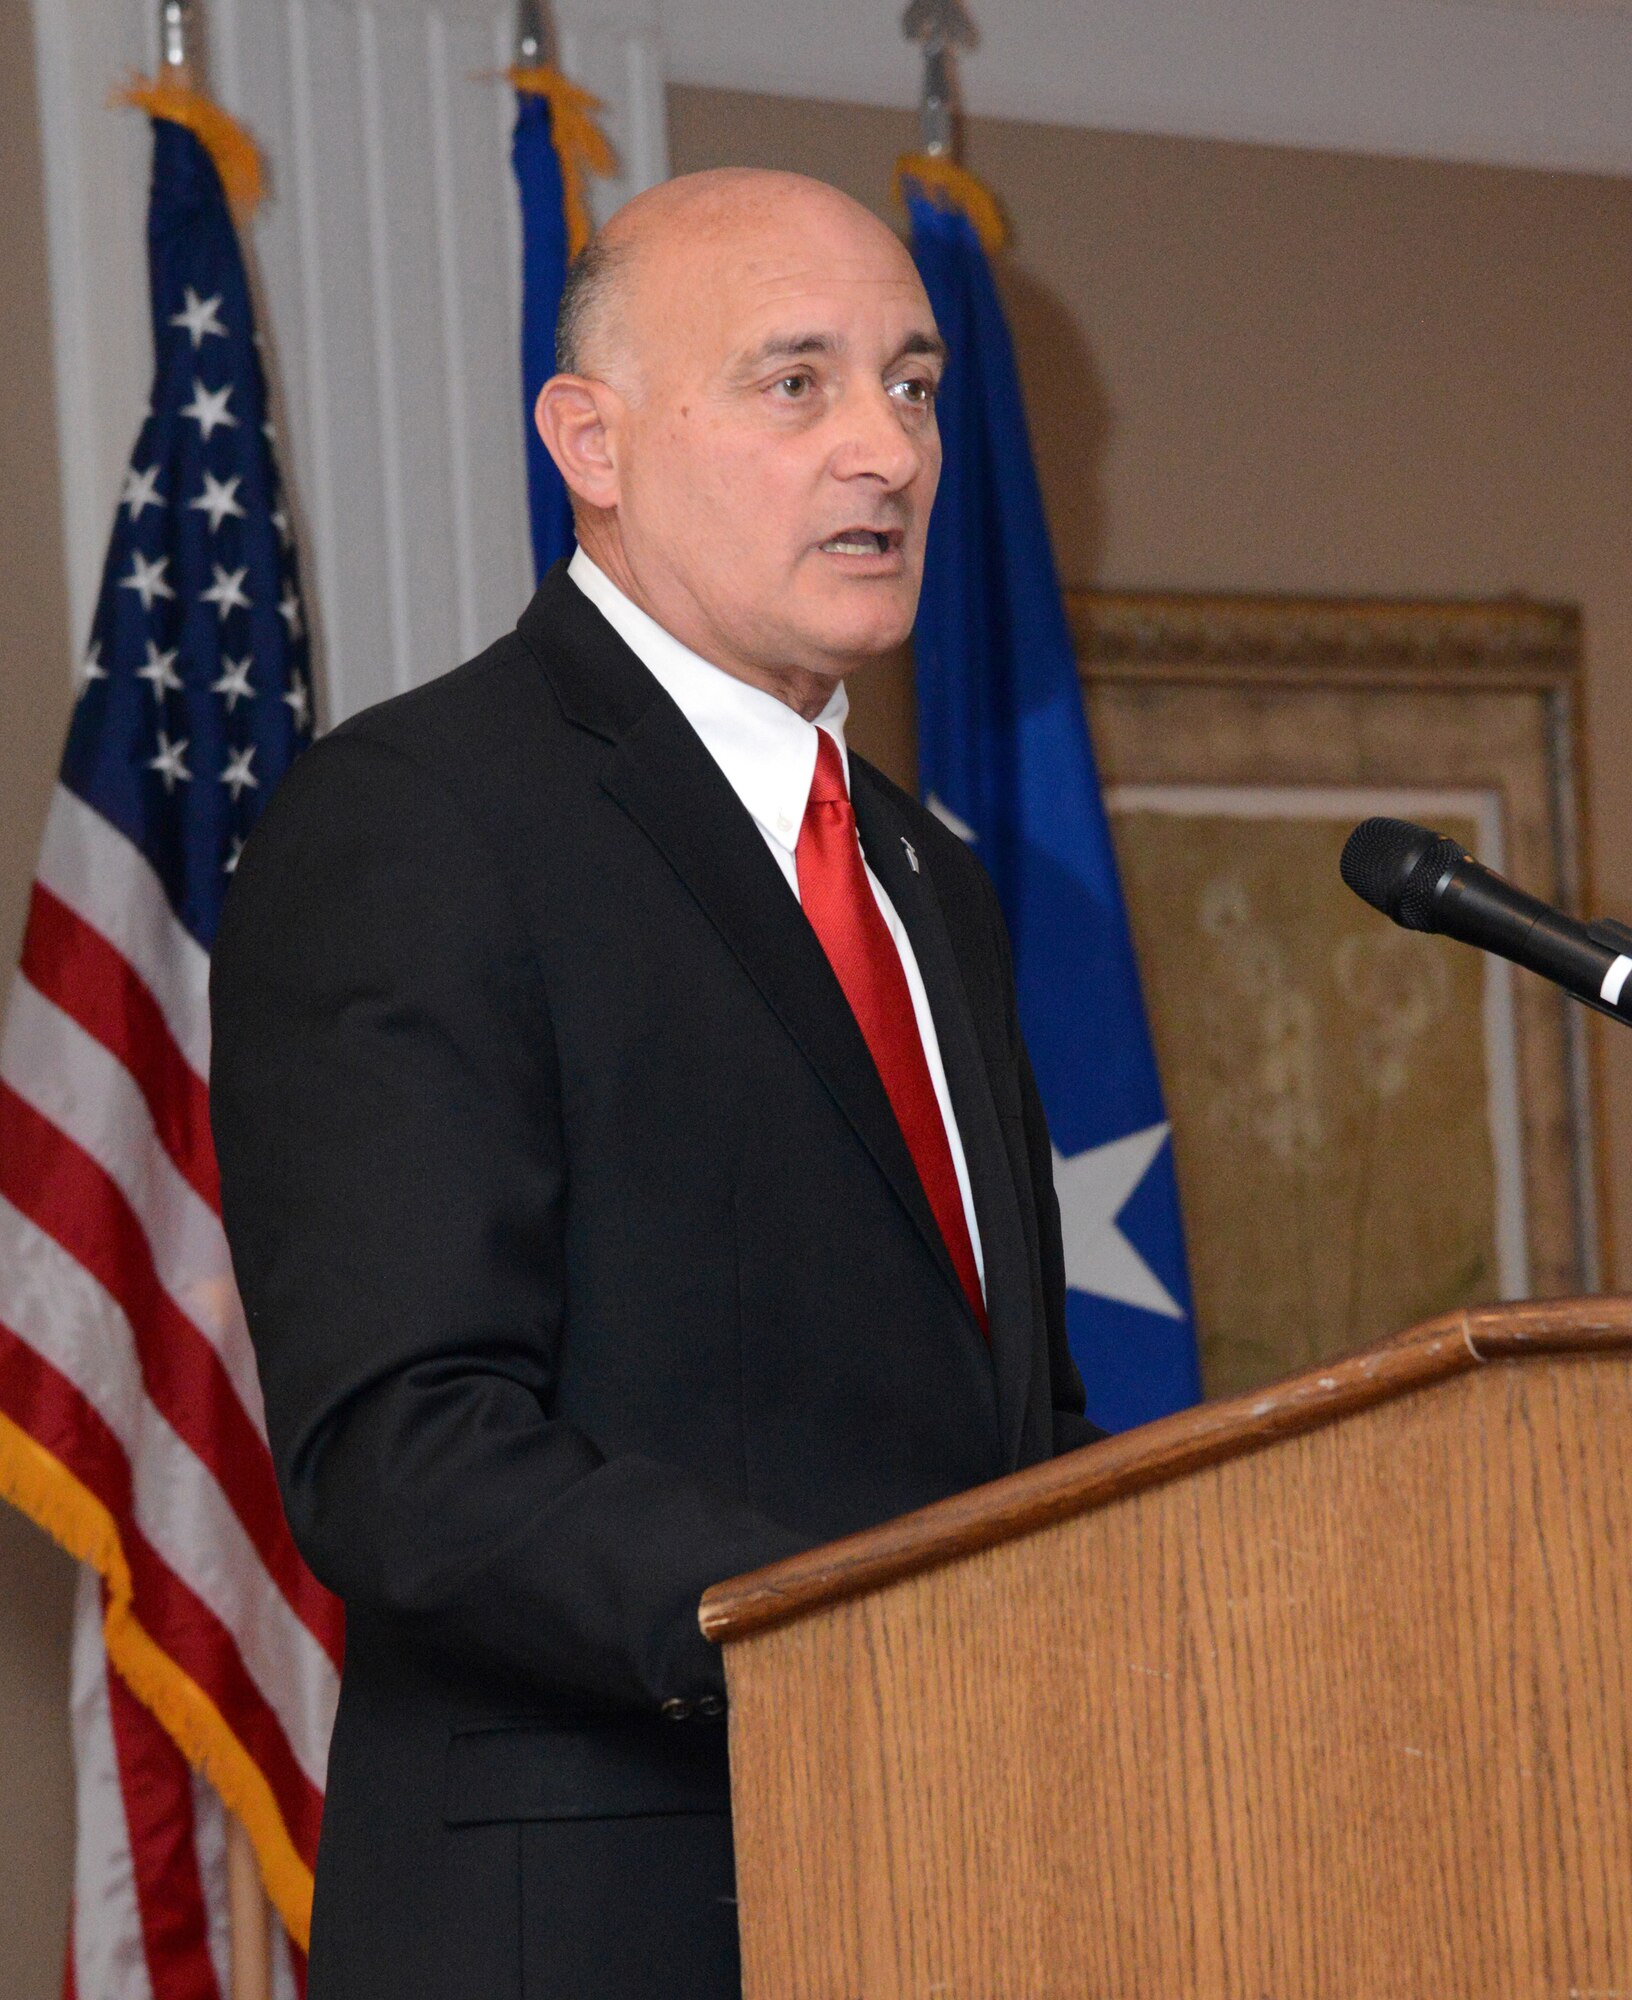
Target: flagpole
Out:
[177,45]
[942,27]
[556,144]
[249,1918]
[535,37]
[249,1913]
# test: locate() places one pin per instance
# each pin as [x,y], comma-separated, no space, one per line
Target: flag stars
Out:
[141,491]
[219,499]
[91,668]
[233,685]
[279,518]
[201,317]
[160,671]
[147,578]
[299,698]
[170,762]
[236,774]
[289,606]
[226,593]
[208,409]
[230,865]
[1093,1187]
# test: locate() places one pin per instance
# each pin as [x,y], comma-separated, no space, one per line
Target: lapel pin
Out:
[912,853]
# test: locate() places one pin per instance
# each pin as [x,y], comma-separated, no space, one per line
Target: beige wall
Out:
[1249,368]
[36,1581]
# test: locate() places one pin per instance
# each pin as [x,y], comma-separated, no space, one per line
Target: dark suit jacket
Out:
[586,1266]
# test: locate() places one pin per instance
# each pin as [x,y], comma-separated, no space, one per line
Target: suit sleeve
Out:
[1071,1427]
[386,1109]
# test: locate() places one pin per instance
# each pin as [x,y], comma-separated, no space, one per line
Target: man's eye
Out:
[794,386]
[914,390]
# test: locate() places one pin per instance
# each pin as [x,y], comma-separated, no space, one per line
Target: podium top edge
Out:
[1158,1453]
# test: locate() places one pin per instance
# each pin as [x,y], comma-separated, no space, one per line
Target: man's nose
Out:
[875,443]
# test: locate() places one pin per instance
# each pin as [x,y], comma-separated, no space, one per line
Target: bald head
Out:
[673,233]
[744,416]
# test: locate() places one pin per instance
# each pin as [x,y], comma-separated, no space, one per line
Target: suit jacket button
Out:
[711,1704]
[675,1709]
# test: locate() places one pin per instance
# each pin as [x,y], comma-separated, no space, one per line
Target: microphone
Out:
[1427,882]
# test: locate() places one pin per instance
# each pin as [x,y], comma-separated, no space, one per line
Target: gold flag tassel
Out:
[950,186]
[223,138]
[42,1486]
[580,144]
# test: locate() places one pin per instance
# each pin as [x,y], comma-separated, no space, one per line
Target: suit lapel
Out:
[1009,1291]
[660,774]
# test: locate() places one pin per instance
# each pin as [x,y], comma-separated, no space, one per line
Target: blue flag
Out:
[543,271]
[1005,761]
[196,691]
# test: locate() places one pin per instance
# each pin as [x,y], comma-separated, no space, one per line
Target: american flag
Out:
[131,1424]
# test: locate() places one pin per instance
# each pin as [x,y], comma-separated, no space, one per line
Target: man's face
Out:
[778,454]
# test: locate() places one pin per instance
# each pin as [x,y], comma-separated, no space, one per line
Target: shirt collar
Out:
[766,750]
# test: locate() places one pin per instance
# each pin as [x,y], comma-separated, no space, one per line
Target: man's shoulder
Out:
[488,732]
[477,703]
[562,675]
[479,750]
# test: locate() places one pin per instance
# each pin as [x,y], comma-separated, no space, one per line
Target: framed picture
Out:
[1370,1126]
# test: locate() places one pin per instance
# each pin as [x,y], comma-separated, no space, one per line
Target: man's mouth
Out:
[862,542]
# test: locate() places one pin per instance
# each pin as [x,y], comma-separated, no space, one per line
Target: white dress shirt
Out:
[767,752]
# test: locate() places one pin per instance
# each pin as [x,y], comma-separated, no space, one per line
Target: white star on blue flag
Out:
[1006,764]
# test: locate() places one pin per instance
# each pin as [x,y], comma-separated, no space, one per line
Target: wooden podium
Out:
[1325,1691]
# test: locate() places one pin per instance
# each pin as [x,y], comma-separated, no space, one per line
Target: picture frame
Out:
[1370,1126]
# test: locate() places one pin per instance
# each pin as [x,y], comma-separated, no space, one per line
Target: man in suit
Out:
[633,1171]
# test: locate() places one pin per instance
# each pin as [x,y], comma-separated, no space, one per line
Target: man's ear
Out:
[573,415]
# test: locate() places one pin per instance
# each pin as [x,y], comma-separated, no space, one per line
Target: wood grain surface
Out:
[1082,1480]
[1329,1700]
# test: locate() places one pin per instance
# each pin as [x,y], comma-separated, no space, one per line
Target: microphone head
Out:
[1396,867]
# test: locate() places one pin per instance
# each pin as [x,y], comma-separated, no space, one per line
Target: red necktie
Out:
[838,899]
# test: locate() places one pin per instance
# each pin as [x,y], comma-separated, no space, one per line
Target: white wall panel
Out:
[386,264]
[348,514]
[253,42]
[95,173]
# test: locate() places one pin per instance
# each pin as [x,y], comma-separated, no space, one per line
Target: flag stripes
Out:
[79,971]
[56,1185]
[156,1784]
[76,1084]
[201,1676]
[150,1917]
[125,1366]
[108,1955]
[110,884]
